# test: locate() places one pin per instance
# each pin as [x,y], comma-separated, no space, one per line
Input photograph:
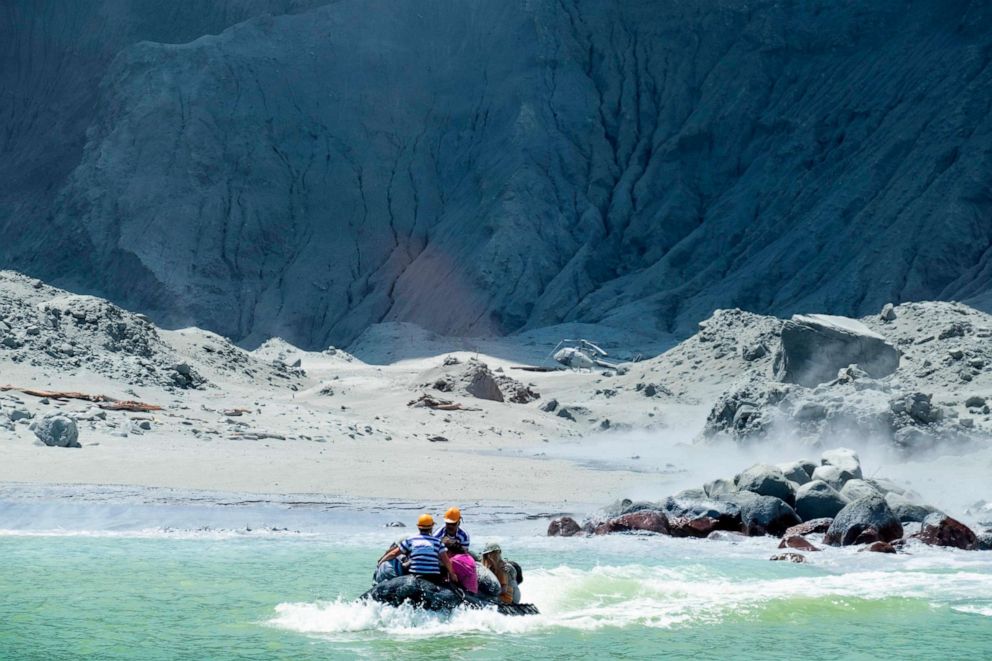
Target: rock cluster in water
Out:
[793,501]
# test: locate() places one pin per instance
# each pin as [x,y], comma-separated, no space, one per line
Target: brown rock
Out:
[790,557]
[683,526]
[566,526]
[796,542]
[810,527]
[644,520]
[879,547]
[940,530]
[866,536]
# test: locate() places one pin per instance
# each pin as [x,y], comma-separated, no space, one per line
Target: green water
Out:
[80,597]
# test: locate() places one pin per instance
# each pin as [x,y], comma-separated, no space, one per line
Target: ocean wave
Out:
[636,596]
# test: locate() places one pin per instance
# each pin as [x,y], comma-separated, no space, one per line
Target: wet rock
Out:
[984,540]
[643,521]
[700,527]
[870,512]
[942,530]
[844,459]
[549,406]
[818,500]
[810,527]
[766,480]
[797,558]
[797,542]
[765,515]
[566,526]
[888,312]
[726,513]
[726,536]
[879,547]
[975,402]
[815,347]
[57,430]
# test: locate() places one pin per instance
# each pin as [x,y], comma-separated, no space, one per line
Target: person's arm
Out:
[390,554]
[446,561]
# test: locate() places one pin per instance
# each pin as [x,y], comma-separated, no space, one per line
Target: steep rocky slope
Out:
[490,166]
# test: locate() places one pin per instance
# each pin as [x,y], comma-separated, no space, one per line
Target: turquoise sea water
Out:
[221,594]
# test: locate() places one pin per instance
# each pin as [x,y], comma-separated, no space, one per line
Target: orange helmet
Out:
[425,521]
[453,515]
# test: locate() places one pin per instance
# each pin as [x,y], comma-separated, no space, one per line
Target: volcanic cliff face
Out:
[490,166]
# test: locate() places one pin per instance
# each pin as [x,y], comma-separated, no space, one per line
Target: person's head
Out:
[452,519]
[453,545]
[492,552]
[425,524]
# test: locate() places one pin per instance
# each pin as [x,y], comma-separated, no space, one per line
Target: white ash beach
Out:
[421,410]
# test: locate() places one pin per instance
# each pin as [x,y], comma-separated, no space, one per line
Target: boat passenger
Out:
[492,559]
[387,569]
[427,553]
[463,566]
[453,528]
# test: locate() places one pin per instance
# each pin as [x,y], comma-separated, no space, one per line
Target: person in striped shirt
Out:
[453,527]
[427,554]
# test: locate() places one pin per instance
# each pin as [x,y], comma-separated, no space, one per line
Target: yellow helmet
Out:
[425,521]
[453,515]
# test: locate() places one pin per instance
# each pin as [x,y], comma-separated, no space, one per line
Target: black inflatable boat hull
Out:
[424,594]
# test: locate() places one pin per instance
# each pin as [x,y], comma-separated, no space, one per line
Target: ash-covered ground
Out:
[140,405]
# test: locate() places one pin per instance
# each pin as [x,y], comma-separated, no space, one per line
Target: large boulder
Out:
[642,521]
[855,489]
[844,459]
[814,348]
[833,476]
[725,513]
[865,520]
[818,500]
[766,480]
[57,430]
[942,530]
[799,472]
[765,515]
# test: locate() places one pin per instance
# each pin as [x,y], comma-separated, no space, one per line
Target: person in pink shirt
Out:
[462,566]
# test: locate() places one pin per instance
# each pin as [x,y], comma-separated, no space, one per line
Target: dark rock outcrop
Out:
[817,500]
[766,480]
[765,515]
[865,520]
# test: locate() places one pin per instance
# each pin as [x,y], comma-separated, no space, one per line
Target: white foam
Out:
[635,596]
